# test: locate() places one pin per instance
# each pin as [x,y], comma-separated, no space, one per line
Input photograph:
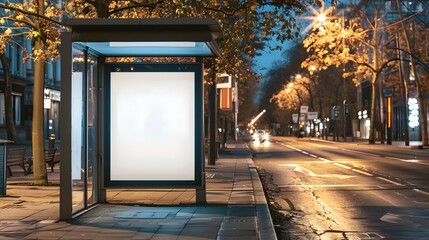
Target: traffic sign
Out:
[312,115]
[295,118]
[336,112]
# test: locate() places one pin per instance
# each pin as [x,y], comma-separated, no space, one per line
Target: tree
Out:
[37,20]
[247,26]
[334,43]
[293,96]
[405,33]
[278,76]
[5,62]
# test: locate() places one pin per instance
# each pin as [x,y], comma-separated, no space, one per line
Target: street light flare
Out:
[321,18]
[318,17]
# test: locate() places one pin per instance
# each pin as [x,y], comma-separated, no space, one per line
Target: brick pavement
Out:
[236,209]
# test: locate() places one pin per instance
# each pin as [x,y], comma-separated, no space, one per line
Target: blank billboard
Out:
[152,126]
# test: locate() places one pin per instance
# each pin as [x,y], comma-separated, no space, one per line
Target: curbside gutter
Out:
[265,222]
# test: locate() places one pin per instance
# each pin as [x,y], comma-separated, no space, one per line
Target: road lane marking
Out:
[341,165]
[322,185]
[420,191]
[363,172]
[416,161]
[301,169]
[389,181]
[325,160]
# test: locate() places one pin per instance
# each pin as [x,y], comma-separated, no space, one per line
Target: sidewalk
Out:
[412,144]
[236,209]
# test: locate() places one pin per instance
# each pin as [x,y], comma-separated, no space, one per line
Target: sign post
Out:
[3,170]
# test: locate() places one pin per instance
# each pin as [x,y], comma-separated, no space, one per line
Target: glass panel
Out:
[2,110]
[17,109]
[92,130]
[151,48]
[78,140]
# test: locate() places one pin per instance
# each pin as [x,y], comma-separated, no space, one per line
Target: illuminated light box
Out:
[153,114]
[168,49]
[152,44]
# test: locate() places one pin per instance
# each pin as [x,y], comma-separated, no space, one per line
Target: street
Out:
[331,190]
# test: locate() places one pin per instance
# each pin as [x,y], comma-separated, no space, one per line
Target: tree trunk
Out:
[404,96]
[374,85]
[422,110]
[371,139]
[10,126]
[39,163]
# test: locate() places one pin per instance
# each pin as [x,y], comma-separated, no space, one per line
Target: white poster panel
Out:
[152,126]
[76,125]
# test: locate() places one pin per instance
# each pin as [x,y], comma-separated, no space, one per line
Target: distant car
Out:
[261,136]
[300,133]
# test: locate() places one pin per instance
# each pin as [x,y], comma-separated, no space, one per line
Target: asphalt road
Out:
[347,190]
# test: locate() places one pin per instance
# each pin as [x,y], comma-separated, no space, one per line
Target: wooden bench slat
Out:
[15,156]
[50,158]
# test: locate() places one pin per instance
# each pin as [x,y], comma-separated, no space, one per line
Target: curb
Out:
[365,142]
[265,222]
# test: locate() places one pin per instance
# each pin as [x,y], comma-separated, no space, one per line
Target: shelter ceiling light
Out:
[152,44]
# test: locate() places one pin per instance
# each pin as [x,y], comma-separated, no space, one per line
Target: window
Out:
[16,109]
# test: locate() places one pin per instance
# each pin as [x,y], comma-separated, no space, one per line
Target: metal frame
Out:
[196,68]
[3,166]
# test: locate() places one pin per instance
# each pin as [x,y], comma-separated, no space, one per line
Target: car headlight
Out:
[266,136]
[256,136]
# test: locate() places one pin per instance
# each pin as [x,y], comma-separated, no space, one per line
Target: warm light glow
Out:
[318,18]
[413,107]
[257,117]
[321,18]
[152,44]
[389,112]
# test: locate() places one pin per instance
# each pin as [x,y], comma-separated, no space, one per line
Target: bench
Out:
[50,159]
[15,156]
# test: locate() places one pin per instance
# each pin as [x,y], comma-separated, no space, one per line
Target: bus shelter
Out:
[131,124]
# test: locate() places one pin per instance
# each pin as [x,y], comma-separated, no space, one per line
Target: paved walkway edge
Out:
[266,227]
[265,222]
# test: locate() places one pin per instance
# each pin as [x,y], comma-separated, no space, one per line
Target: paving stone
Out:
[230,181]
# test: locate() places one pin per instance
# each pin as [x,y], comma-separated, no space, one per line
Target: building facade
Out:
[21,76]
